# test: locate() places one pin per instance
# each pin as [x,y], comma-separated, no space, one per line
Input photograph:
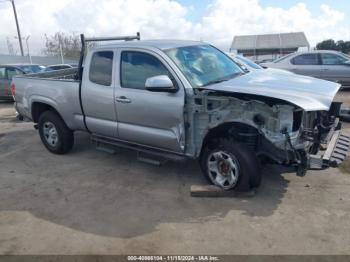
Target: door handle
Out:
[123,99]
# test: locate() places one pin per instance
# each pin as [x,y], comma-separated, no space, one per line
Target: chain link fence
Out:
[34,52]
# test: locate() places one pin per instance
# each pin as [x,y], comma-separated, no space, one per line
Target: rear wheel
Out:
[230,165]
[54,133]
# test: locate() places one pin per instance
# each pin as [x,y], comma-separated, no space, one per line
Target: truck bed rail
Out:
[112,38]
[63,74]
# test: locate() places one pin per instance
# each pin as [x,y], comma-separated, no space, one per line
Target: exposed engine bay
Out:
[273,128]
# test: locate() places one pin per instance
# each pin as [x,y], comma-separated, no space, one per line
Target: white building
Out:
[269,46]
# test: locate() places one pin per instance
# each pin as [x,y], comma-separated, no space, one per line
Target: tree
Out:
[70,45]
[327,45]
[344,46]
[330,44]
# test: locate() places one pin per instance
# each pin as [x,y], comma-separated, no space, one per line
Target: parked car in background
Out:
[267,60]
[58,67]
[325,64]
[249,65]
[30,68]
[10,70]
[6,74]
[246,63]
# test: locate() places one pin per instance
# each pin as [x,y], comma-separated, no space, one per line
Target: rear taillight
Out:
[13,89]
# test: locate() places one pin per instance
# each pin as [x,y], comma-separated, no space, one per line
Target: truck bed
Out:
[59,89]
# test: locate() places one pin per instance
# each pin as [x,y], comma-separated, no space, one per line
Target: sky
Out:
[213,21]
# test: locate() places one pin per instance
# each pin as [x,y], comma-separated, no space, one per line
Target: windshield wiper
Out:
[214,82]
[222,79]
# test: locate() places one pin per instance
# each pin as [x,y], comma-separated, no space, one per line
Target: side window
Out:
[332,59]
[101,68]
[306,59]
[2,73]
[11,72]
[136,67]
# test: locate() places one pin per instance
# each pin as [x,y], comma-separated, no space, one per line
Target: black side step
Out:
[160,154]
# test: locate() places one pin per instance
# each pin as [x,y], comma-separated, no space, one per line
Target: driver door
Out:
[153,119]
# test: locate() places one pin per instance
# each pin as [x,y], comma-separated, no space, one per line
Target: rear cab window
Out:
[101,68]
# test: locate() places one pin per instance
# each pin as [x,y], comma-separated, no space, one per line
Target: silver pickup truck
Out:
[187,100]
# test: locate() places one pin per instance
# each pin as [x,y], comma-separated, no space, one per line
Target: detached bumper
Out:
[345,114]
[334,154]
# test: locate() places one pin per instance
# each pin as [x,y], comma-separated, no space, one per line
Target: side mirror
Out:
[161,83]
[245,69]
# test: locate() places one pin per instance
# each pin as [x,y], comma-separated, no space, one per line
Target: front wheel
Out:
[230,165]
[54,133]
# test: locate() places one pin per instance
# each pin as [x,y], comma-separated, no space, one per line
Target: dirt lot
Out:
[90,202]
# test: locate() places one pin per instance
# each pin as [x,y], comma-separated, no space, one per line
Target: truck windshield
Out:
[203,64]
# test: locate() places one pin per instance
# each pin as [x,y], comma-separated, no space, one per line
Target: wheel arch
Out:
[242,132]
[39,107]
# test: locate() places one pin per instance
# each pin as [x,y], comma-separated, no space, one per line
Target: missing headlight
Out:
[335,109]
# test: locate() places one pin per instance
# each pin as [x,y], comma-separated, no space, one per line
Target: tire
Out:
[54,133]
[19,117]
[234,162]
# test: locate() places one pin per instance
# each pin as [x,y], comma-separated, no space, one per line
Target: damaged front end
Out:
[325,145]
[275,129]
[330,143]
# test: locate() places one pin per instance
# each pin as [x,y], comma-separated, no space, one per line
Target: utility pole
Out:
[10,46]
[61,52]
[27,44]
[17,25]
[62,59]
[30,57]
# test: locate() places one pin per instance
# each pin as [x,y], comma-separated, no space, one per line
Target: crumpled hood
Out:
[309,93]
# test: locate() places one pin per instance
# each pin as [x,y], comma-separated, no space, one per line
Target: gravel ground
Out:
[90,202]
